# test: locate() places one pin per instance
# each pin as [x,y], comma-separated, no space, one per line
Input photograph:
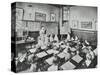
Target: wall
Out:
[83,13]
[35,7]
[91,36]
[64,26]
[42,8]
[79,14]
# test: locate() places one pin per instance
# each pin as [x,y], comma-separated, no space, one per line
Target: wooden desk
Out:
[22,45]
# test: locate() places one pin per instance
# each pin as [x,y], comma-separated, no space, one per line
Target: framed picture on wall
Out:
[40,16]
[29,15]
[52,17]
[19,13]
[86,24]
[75,23]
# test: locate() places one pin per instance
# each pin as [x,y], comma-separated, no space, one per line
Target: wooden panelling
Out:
[91,36]
[34,34]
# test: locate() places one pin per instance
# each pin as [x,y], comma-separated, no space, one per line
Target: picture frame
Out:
[40,16]
[52,17]
[29,16]
[86,24]
[19,13]
[75,23]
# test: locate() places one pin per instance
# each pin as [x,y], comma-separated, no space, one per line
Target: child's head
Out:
[55,60]
[35,59]
[43,29]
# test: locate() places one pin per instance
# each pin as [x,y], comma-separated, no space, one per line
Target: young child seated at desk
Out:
[33,63]
[21,62]
[54,67]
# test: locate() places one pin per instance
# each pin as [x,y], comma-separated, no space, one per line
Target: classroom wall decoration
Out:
[40,16]
[75,23]
[19,13]
[53,17]
[28,15]
[87,25]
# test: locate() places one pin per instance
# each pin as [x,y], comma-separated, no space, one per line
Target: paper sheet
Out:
[68,66]
[52,51]
[50,60]
[42,54]
[77,58]
[53,68]
[32,50]
[61,55]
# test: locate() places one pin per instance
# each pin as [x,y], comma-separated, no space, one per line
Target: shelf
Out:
[65,21]
[39,21]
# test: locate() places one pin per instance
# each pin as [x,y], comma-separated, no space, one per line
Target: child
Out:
[32,59]
[54,67]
